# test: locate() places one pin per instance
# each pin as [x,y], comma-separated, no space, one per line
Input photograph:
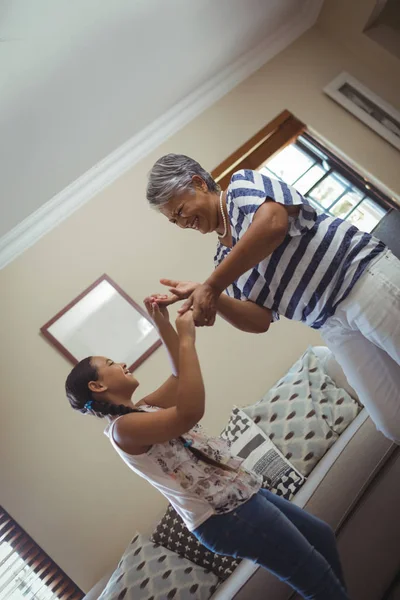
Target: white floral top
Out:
[196,489]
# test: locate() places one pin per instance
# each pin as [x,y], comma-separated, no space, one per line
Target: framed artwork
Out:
[369,108]
[103,321]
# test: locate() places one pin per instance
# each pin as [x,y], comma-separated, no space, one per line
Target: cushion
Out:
[172,533]
[259,453]
[148,570]
[288,485]
[304,413]
[334,370]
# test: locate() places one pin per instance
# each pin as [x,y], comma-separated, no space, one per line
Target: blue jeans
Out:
[281,537]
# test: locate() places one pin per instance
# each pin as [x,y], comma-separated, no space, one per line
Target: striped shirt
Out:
[315,267]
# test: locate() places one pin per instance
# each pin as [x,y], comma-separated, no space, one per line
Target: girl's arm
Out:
[135,430]
[165,395]
[160,317]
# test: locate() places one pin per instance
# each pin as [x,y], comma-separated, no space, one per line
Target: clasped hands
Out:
[201,298]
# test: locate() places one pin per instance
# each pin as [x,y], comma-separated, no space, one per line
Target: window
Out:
[307,168]
[285,150]
[26,572]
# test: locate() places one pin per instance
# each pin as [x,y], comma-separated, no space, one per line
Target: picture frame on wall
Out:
[367,106]
[103,321]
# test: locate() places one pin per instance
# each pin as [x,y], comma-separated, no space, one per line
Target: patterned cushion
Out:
[304,413]
[238,424]
[260,455]
[149,571]
[288,484]
[173,534]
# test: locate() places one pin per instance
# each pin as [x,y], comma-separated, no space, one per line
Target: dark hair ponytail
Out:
[79,395]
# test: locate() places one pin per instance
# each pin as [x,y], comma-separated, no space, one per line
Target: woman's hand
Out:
[185,326]
[157,312]
[203,301]
[179,290]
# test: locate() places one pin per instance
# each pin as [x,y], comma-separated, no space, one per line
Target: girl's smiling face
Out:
[113,378]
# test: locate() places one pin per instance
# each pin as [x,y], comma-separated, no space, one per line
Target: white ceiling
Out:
[78,78]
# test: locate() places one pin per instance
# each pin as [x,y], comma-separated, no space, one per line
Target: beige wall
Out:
[345,21]
[59,477]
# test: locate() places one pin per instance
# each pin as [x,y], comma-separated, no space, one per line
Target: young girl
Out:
[221,503]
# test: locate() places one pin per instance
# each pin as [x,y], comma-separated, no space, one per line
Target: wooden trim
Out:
[252,143]
[280,132]
[64,585]
[40,564]
[46,333]
[16,539]
[48,575]
[22,545]
[54,582]
[32,555]
[67,593]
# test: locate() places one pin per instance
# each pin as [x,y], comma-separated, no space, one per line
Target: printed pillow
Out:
[304,413]
[289,480]
[288,485]
[333,369]
[259,454]
[148,570]
[172,533]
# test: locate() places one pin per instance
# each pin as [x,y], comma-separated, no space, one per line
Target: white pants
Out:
[364,335]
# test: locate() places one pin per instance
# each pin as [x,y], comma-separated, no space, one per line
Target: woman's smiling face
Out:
[195,209]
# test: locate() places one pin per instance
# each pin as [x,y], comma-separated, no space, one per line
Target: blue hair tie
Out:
[88,405]
[188,443]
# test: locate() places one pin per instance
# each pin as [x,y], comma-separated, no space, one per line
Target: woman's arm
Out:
[136,431]
[266,233]
[244,315]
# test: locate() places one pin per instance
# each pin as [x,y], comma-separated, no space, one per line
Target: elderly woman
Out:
[276,255]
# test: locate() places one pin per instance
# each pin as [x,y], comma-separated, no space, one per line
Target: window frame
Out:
[284,130]
[274,137]
[337,165]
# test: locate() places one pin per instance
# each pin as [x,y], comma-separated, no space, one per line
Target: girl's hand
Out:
[185,326]
[158,313]
[162,300]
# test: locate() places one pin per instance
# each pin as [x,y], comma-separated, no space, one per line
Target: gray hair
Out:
[172,175]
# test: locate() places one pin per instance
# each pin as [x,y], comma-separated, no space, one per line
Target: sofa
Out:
[355,488]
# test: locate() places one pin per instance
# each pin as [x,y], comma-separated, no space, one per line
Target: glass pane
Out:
[345,204]
[309,179]
[328,190]
[367,215]
[290,164]
[265,171]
